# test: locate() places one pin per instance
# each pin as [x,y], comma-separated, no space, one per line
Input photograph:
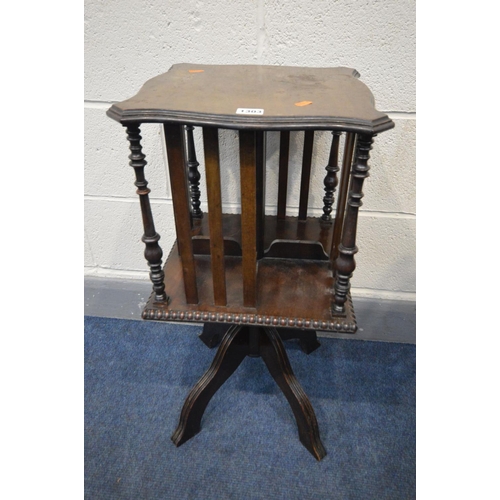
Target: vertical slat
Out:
[306,174]
[260,172]
[342,196]
[176,167]
[248,179]
[212,169]
[283,172]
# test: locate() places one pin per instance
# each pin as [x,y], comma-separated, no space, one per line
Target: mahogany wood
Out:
[247,276]
[201,245]
[342,197]
[292,293]
[212,170]
[331,179]
[274,355]
[241,341]
[176,162]
[248,162]
[345,263]
[306,173]
[153,251]
[283,172]
[201,94]
[260,172]
[193,174]
[232,351]
[286,238]
[212,334]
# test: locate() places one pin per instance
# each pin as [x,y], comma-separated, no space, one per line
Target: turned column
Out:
[331,180]
[193,175]
[153,251]
[345,263]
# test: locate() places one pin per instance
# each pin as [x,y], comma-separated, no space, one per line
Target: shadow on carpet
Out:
[137,375]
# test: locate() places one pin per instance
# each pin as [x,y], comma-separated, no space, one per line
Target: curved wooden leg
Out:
[232,351]
[274,355]
[212,335]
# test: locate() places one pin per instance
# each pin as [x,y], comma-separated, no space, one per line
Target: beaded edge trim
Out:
[340,325]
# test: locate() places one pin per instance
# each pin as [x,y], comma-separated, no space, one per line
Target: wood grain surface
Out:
[211,95]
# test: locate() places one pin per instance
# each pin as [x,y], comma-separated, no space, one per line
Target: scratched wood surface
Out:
[290,293]
[289,97]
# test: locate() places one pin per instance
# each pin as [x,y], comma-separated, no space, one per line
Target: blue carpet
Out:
[137,375]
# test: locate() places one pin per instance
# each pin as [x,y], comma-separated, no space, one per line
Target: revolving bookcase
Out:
[255,279]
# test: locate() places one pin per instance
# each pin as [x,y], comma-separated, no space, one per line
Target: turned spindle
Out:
[306,173]
[345,263]
[193,174]
[153,251]
[331,179]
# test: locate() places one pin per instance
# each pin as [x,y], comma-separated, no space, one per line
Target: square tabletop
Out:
[256,97]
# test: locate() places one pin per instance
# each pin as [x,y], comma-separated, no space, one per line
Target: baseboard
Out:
[378,319]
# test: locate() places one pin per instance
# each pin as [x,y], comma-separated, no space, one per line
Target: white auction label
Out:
[249,111]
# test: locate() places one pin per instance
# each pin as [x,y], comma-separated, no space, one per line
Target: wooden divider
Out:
[177,171]
[342,195]
[212,169]
[248,180]
[260,173]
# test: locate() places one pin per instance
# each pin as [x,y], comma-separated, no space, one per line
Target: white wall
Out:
[128,42]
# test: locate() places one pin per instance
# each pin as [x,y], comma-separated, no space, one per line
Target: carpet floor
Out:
[137,375]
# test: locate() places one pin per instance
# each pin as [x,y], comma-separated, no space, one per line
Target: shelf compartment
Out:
[293,293]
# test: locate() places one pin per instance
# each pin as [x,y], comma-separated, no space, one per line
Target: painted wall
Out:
[128,42]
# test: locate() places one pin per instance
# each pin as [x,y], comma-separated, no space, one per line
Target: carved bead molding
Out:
[340,325]
[331,180]
[345,263]
[345,324]
[193,174]
[153,251]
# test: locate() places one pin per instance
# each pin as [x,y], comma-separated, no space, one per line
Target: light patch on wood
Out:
[196,70]
[303,103]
